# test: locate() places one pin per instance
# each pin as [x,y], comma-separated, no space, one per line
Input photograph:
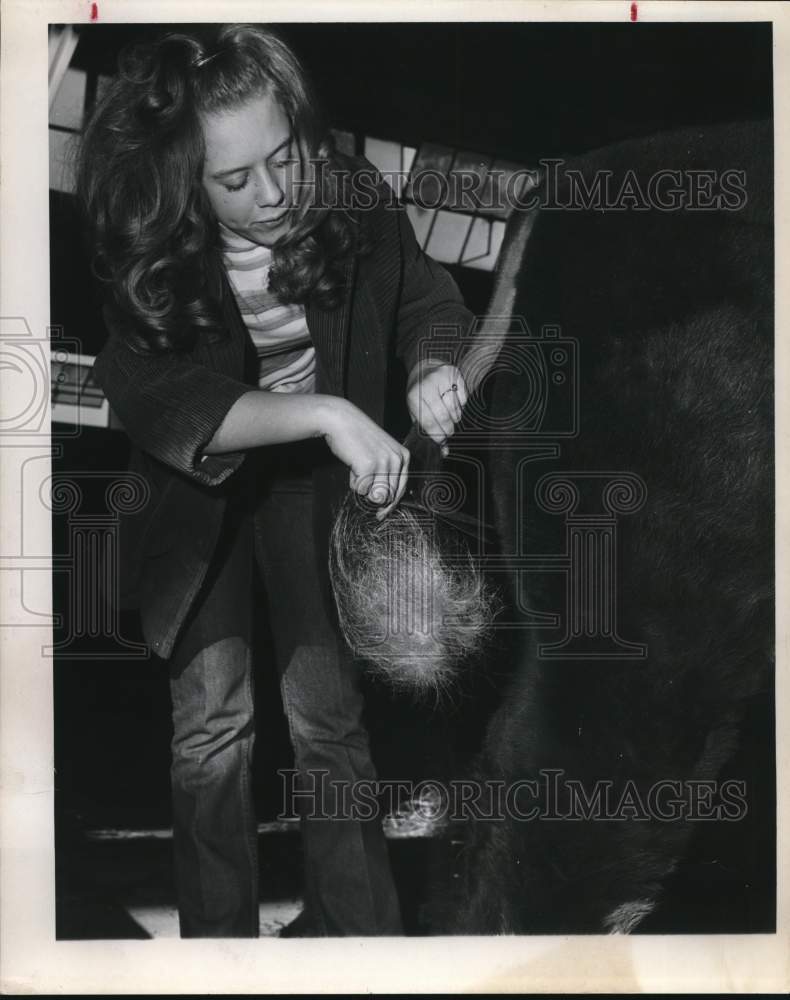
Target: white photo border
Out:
[31,959]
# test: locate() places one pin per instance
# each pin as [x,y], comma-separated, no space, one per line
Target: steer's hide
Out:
[655,485]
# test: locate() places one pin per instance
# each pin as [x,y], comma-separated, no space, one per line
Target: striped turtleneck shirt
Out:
[286,356]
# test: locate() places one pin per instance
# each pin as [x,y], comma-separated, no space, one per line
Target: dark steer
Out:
[644,476]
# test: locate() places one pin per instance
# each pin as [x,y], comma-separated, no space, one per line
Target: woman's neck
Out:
[232,241]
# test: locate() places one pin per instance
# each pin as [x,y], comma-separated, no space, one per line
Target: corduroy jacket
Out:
[171,404]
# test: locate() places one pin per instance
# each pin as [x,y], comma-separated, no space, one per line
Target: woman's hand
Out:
[378,464]
[436,395]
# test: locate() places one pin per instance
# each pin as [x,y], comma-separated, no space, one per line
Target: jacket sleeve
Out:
[429,301]
[169,405]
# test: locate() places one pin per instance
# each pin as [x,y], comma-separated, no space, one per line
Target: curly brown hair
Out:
[139,173]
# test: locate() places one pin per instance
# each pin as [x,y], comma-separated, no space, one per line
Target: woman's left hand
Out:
[436,395]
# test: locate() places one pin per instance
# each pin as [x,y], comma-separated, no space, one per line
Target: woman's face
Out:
[251,169]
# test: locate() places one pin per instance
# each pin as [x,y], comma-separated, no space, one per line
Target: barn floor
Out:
[115,884]
[118,883]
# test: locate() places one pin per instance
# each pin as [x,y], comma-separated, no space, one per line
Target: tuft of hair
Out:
[410,600]
[625,917]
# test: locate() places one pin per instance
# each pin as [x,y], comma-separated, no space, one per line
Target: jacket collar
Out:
[329,329]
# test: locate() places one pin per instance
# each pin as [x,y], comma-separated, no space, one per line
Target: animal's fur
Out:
[673,312]
[409,597]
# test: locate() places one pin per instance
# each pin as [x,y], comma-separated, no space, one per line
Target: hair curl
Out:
[139,181]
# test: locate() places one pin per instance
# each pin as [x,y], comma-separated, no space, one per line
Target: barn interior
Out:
[507,95]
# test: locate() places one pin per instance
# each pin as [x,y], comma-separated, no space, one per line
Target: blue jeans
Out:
[348,883]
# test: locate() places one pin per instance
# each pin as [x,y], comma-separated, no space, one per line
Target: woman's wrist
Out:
[329,413]
[261,417]
[338,418]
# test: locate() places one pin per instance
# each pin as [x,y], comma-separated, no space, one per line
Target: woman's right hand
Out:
[378,464]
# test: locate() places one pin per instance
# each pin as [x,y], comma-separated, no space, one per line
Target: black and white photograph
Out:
[392,459]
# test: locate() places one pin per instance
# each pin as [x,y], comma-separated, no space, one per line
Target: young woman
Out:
[260,286]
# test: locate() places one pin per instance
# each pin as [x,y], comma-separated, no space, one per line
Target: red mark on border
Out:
[95,11]
[634,11]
